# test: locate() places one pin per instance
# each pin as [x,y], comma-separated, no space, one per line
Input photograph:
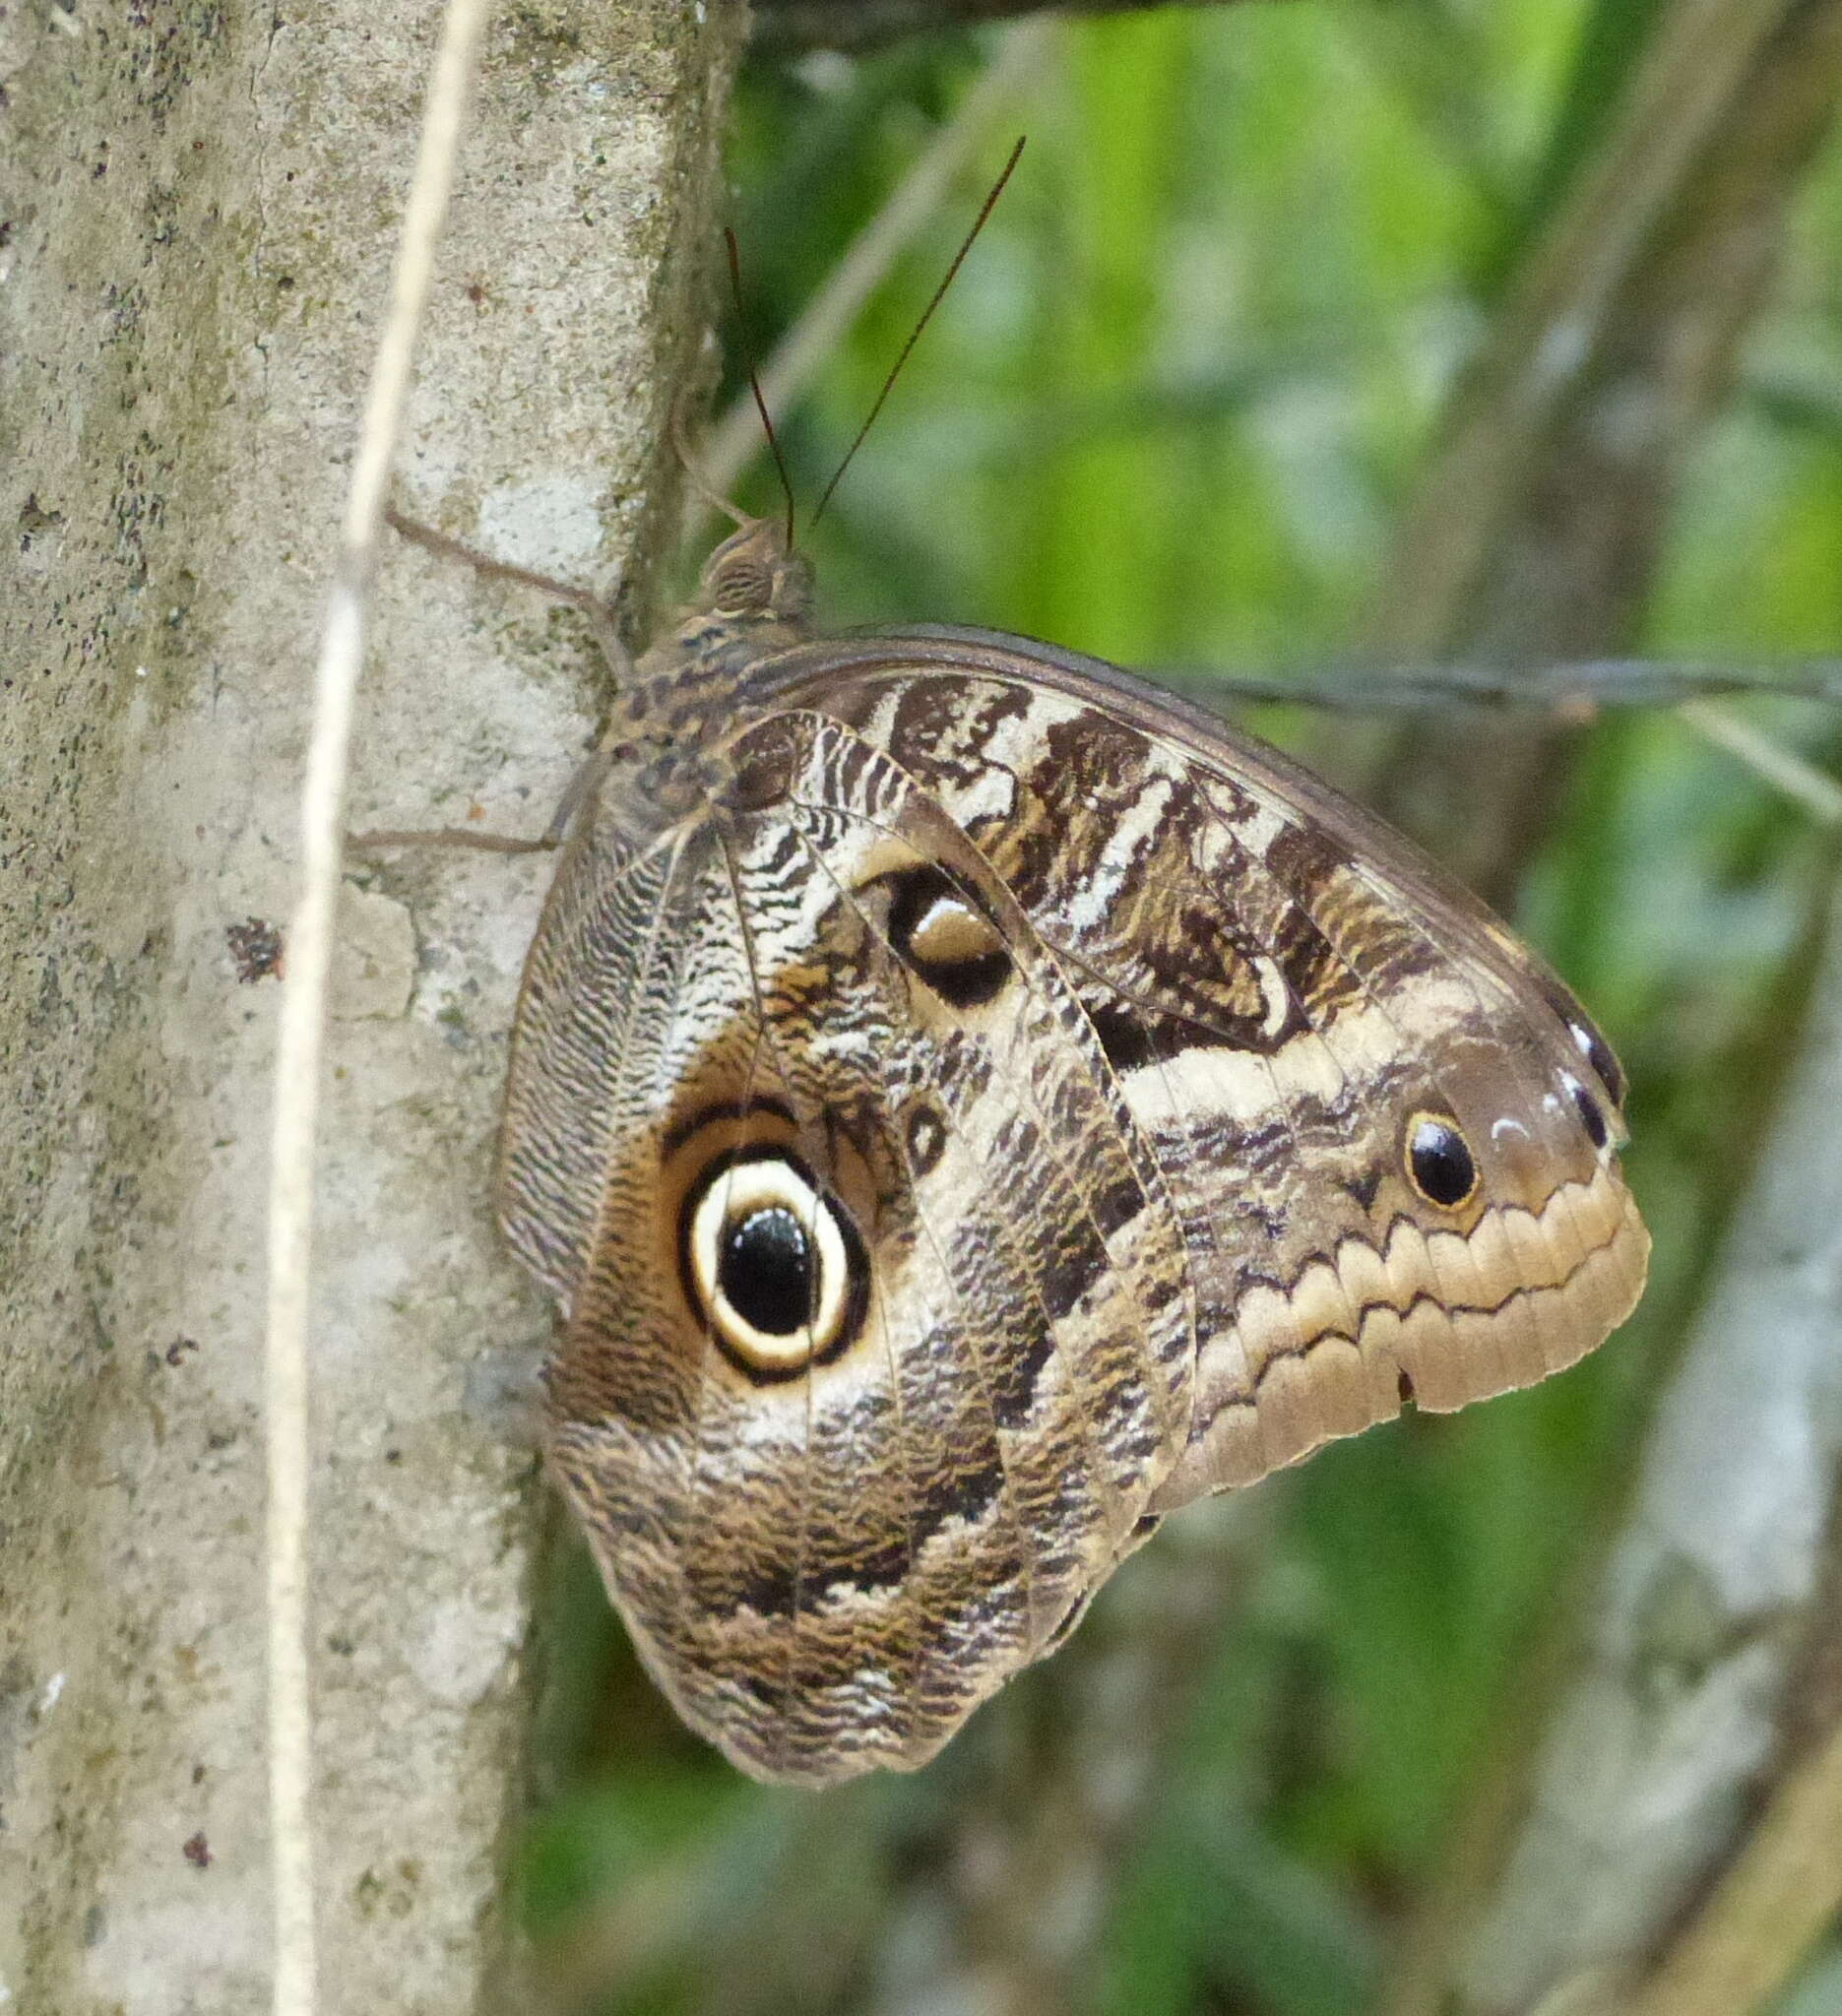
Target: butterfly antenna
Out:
[754,382]
[700,483]
[915,334]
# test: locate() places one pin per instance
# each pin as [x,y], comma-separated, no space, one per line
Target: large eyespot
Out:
[1439,1162]
[939,931]
[773,1263]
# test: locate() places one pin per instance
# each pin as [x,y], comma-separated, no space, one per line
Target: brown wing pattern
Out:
[969,1105]
[834,1531]
[1288,994]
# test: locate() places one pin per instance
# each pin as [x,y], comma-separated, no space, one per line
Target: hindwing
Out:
[836,1529]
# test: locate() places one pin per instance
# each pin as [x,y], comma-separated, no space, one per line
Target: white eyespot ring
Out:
[773,1265]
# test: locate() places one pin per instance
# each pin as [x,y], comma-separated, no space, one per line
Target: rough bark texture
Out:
[202,203]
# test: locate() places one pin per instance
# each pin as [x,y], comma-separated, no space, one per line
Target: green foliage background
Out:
[1170,414]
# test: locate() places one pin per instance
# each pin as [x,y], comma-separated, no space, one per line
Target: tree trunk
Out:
[1712,1683]
[204,200]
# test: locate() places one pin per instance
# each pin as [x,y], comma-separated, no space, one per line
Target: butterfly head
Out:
[752,602]
[755,575]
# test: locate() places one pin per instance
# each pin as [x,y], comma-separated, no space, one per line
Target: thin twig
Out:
[733,440]
[1574,688]
[1574,692]
[1817,792]
[302,1028]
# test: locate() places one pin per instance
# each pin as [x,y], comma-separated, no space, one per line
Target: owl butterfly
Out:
[967,1105]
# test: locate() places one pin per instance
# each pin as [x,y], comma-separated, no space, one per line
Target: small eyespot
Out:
[1440,1163]
[927,1137]
[773,1264]
[1591,1116]
[1598,1054]
[1586,1039]
[938,931]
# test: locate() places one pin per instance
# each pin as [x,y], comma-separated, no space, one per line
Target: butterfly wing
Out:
[1000,1106]
[879,1334]
[1389,1134]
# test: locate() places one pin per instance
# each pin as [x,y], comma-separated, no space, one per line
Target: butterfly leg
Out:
[588,775]
[385,838]
[601,614]
[581,787]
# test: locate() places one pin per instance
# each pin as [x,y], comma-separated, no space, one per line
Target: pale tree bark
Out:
[1702,1735]
[201,206]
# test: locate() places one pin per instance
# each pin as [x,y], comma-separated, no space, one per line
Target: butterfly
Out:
[968,1104]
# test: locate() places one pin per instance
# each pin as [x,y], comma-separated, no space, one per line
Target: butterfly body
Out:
[967,1105]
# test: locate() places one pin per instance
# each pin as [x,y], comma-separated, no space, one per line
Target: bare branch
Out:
[1570,690]
[788,26]
[1535,533]
[1770,1907]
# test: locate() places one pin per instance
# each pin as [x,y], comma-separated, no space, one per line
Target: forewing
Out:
[1289,998]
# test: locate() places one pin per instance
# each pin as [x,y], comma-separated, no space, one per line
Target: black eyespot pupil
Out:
[765,1271]
[1441,1163]
[1591,1119]
[971,983]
